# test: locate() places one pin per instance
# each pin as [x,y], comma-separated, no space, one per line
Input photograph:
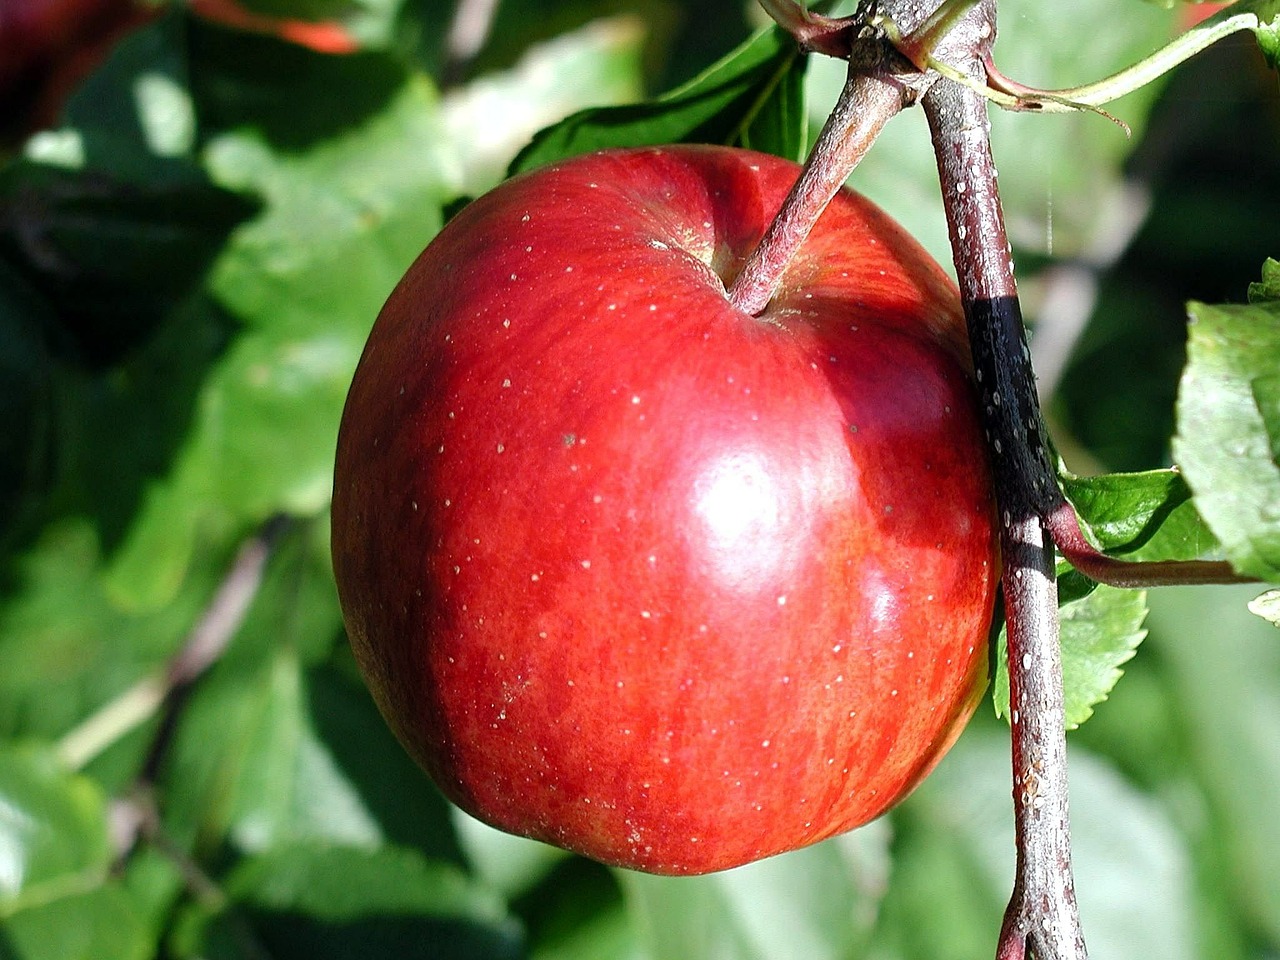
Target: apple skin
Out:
[637,574]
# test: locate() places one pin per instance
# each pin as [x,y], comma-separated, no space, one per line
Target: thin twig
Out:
[1234,19]
[139,819]
[472,22]
[204,644]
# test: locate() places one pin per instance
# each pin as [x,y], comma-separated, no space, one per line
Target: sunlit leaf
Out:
[491,118]
[749,98]
[1142,516]
[1223,665]
[1228,435]
[278,745]
[53,830]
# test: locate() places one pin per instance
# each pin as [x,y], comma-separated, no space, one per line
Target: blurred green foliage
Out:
[189,262]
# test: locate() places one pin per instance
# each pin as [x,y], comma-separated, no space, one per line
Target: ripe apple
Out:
[322,36]
[638,574]
[47,47]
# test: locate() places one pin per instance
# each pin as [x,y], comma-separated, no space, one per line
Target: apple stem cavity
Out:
[866,104]
[1042,914]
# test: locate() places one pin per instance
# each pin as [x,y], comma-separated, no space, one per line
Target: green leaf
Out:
[93,925]
[1268,288]
[112,258]
[53,830]
[578,913]
[491,118]
[28,441]
[1101,630]
[1141,516]
[322,902]
[56,902]
[754,98]
[818,903]
[1267,33]
[278,744]
[110,216]
[509,864]
[352,188]
[1229,429]
[133,118]
[67,649]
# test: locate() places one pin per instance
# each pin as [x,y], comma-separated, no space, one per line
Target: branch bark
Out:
[1042,914]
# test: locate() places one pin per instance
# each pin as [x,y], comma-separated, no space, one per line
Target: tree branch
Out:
[1042,912]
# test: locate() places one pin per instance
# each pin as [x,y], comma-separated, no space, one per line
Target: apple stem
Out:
[1042,914]
[1064,524]
[867,102]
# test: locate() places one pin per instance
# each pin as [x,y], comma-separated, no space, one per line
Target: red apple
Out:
[47,47]
[322,36]
[635,573]
[1192,13]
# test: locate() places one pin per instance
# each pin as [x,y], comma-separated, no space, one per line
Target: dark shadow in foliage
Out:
[104,259]
[126,225]
[26,403]
[575,894]
[94,440]
[112,258]
[294,96]
[407,805]
[136,418]
[290,935]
